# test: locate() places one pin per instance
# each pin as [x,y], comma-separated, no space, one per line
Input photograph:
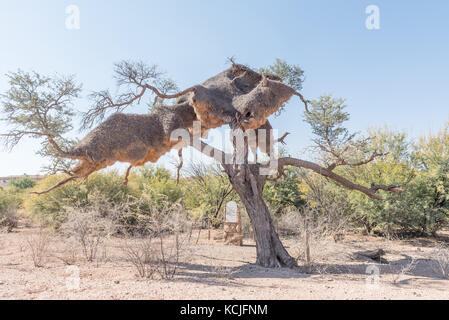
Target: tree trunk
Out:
[270,250]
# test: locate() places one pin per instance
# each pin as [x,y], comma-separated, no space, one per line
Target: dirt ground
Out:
[217,271]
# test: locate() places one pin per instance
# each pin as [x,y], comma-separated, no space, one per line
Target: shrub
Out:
[206,192]
[440,260]
[165,242]
[52,207]
[285,193]
[22,183]
[141,254]
[9,203]
[289,223]
[422,171]
[89,226]
[160,181]
[39,247]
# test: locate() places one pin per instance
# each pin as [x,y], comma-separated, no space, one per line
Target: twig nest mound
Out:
[134,138]
[239,92]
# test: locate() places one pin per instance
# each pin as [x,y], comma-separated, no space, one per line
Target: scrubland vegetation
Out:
[157,215]
[421,168]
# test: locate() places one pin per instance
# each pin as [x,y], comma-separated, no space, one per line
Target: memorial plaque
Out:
[233,224]
[232,212]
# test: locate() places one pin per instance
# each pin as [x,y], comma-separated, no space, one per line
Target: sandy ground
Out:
[216,271]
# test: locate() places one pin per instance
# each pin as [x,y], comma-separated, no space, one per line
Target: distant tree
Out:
[22,183]
[41,107]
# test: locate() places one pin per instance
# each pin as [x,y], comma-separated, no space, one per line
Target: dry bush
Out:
[141,255]
[170,256]
[407,268]
[313,228]
[8,219]
[90,227]
[70,253]
[159,254]
[39,245]
[168,232]
[329,222]
[247,228]
[441,260]
[290,223]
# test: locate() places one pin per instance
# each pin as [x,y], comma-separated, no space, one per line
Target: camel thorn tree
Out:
[239,97]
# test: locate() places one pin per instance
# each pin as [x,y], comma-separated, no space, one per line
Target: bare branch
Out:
[281,139]
[56,185]
[371,192]
[306,102]
[137,77]
[343,162]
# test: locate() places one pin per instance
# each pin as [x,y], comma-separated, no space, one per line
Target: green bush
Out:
[422,171]
[206,193]
[22,183]
[9,204]
[52,207]
[154,184]
[285,193]
[160,180]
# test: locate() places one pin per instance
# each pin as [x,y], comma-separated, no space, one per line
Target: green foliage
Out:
[326,118]
[9,204]
[154,184]
[285,193]
[8,200]
[293,75]
[52,207]
[153,188]
[22,183]
[206,192]
[423,207]
[433,151]
[336,145]
[39,106]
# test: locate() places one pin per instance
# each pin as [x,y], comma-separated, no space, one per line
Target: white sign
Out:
[231,212]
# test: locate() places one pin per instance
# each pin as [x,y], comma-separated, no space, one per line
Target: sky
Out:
[395,76]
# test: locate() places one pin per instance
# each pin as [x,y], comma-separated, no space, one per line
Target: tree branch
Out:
[371,192]
[137,75]
[219,155]
[306,102]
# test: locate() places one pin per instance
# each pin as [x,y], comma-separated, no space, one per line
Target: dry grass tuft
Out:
[441,256]
[39,247]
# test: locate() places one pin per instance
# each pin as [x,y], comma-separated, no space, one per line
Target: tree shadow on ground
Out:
[227,275]
[424,268]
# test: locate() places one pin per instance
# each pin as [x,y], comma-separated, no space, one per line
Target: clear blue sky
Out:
[396,76]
